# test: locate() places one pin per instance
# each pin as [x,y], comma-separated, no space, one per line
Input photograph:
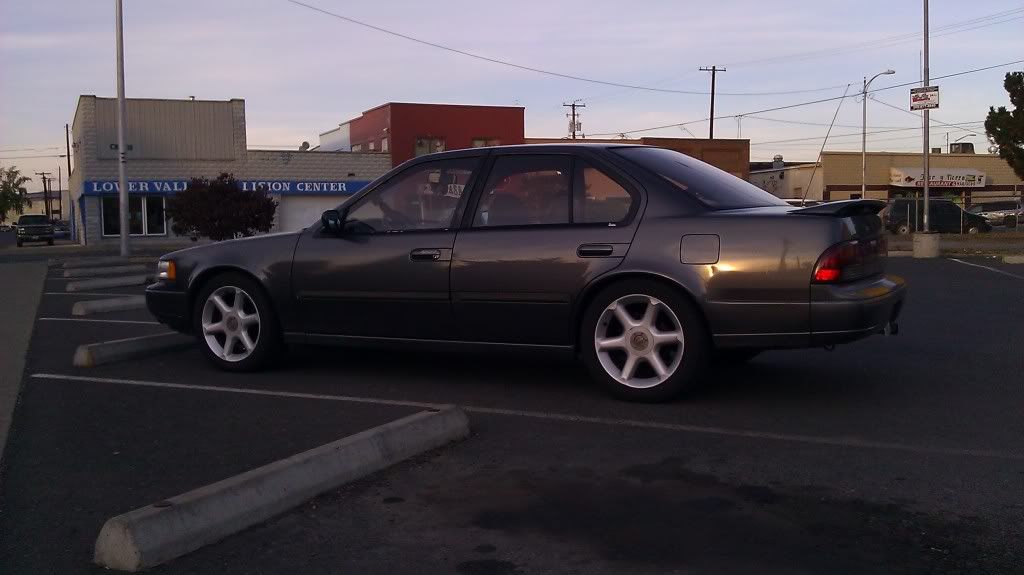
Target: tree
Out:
[1006,128]
[220,210]
[12,192]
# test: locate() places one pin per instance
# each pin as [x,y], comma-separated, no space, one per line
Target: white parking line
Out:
[85,319]
[997,270]
[568,417]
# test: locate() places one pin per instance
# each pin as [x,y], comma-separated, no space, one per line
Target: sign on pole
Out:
[924,98]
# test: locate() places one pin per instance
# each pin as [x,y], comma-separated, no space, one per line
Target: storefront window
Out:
[145,216]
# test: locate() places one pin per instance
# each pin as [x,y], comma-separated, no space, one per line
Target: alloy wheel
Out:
[639,341]
[231,323]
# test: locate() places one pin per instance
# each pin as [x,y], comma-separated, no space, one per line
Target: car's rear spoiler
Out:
[843,208]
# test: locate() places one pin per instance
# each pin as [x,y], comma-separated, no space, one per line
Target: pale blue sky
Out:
[302,72]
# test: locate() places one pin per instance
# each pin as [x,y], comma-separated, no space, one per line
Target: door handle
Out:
[425,255]
[594,250]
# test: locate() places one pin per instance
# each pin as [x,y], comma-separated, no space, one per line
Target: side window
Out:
[423,197]
[598,198]
[526,190]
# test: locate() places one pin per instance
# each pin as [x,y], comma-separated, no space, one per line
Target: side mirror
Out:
[333,222]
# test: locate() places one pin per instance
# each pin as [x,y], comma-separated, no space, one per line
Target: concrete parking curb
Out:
[105,271]
[123,281]
[105,261]
[901,254]
[168,529]
[1013,259]
[22,290]
[90,307]
[92,354]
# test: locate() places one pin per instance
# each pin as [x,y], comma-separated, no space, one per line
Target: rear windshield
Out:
[709,185]
[32,221]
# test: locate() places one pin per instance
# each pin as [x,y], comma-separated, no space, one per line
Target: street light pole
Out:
[927,119]
[864,133]
[122,179]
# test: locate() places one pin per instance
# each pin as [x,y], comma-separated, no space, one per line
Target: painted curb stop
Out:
[93,354]
[106,271]
[167,529]
[99,283]
[126,303]
[1013,259]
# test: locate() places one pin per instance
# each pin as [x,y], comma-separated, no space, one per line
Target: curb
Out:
[103,261]
[1013,259]
[112,304]
[123,281]
[93,354]
[155,534]
[105,271]
[901,254]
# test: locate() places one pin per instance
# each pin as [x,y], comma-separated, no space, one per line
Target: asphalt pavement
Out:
[891,455]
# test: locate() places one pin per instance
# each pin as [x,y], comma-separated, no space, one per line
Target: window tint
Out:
[526,190]
[423,197]
[32,220]
[709,185]
[598,198]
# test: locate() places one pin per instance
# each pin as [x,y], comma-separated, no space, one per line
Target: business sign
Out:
[924,98]
[281,187]
[940,178]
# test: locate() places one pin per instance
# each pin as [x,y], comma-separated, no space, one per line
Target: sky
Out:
[302,72]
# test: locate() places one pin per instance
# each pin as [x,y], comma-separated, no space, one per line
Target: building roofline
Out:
[796,167]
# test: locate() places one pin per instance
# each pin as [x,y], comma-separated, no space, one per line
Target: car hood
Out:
[251,243]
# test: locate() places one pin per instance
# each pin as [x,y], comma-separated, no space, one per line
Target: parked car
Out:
[34,228]
[61,229]
[904,216]
[644,262]
[1005,213]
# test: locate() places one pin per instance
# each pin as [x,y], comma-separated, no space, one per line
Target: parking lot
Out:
[895,454]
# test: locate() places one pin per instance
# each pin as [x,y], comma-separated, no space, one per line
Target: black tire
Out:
[267,346]
[696,346]
[723,357]
[20,244]
[903,229]
[49,242]
[973,230]
[1010,221]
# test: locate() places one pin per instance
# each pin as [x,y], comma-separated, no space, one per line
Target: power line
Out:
[28,157]
[878,43]
[801,104]
[34,149]
[916,115]
[952,28]
[822,124]
[888,131]
[540,70]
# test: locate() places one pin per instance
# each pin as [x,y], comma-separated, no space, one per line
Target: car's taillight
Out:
[852,260]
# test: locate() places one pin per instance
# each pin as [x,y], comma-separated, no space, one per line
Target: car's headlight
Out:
[166,270]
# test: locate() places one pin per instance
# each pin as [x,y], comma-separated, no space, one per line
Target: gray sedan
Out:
[645,263]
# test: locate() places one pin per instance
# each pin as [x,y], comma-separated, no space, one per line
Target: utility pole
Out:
[864,133]
[714,71]
[122,178]
[573,124]
[46,192]
[60,192]
[67,144]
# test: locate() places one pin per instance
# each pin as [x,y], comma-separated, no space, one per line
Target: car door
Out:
[542,227]
[386,273]
[945,217]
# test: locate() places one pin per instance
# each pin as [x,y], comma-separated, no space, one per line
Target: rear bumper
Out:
[169,307]
[845,313]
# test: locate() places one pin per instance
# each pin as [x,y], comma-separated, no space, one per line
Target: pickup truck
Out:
[34,228]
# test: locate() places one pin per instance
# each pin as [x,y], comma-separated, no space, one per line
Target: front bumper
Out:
[169,306]
[845,313]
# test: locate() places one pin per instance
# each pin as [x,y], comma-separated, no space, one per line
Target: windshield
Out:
[709,185]
[32,221]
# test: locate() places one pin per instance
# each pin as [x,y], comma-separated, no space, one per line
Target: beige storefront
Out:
[889,174]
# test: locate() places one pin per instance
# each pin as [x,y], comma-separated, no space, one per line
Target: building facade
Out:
[969,177]
[170,142]
[801,181]
[407,130]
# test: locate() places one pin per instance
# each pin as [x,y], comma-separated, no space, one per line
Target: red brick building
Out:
[407,130]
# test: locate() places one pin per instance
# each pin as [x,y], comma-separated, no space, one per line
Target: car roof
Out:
[558,148]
